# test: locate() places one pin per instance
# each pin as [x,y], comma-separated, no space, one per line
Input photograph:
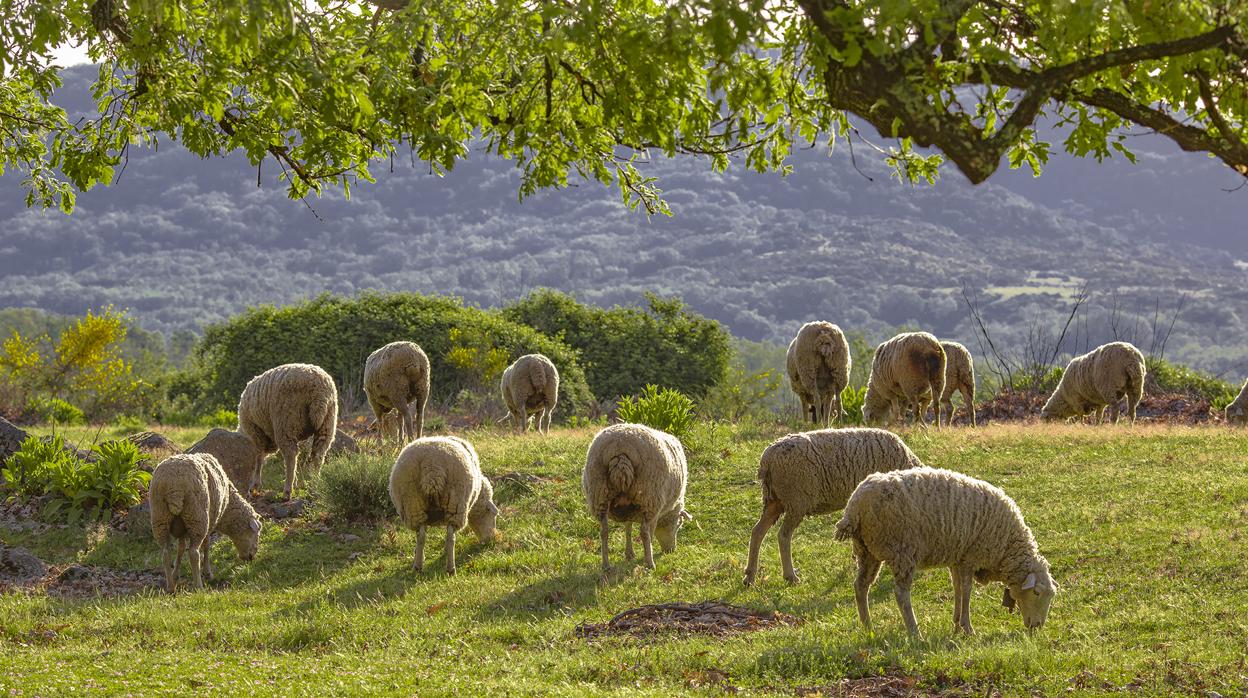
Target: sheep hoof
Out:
[749,579]
[416,567]
[792,578]
[450,570]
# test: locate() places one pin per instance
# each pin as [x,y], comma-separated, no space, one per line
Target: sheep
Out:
[1096,380]
[437,481]
[236,453]
[1237,411]
[191,497]
[814,473]
[396,377]
[285,405]
[531,386]
[959,376]
[818,364]
[906,371]
[926,517]
[635,473]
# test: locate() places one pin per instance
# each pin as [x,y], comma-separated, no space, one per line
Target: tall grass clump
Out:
[354,487]
[666,410]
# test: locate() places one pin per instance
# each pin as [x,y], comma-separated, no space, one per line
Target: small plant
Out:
[24,470]
[667,410]
[55,410]
[354,487]
[851,405]
[114,479]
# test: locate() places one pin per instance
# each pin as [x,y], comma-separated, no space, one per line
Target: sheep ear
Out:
[1030,582]
[255,526]
[1008,600]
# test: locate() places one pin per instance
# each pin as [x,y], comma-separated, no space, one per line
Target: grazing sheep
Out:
[396,377]
[236,453]
[814,473]
[924,517]
[1237,411]
[285,405]
[191,498]
[531,386]
[818,364]
[635,473]
[437,481]
[1096,380]
[960,377]
[906,371]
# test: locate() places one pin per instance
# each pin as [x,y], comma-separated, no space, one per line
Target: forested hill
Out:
[184,242]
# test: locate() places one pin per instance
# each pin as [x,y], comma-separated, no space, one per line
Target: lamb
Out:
[396,377]
[959,376]
[437,481]
[818,364]
[1096,380]
[925,517]
[191,497]
[285,405]
[814,473]
[1237,411]
[531,386]
[635,473]
[907,370]
[235,452]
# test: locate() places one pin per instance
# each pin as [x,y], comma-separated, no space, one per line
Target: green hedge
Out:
[339,333]
[625,349]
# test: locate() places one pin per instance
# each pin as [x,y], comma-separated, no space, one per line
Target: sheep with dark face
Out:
[907,371]
[818,365]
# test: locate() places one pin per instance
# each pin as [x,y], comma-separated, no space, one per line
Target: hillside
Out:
[183,243]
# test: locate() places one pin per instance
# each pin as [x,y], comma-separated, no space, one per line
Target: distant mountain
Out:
[184,242]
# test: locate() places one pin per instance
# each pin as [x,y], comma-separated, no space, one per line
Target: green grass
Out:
[1144,528]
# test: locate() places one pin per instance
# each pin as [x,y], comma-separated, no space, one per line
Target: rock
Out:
[154,447]
[343,443]
[287,510]
[350,538]
[11,438]
[19,567]
[74,573]
[139,520]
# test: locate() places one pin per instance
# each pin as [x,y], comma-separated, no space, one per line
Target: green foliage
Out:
[338,334]
[625,349]
[1166,377]
[54,410]
[852,400]
[354,487]
[113,479]
[740,393]
[666,410]
[221,418]
[1039,379]
[129,424]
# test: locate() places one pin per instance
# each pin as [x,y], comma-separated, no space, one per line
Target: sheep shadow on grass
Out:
[577,587]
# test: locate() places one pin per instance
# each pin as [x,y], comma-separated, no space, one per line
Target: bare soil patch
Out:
[703,618]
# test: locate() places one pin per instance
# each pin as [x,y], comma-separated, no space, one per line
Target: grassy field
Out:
[1144,528]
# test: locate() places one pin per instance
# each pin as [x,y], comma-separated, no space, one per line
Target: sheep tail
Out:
[764,478]
[846,529]
[620,472]
[175,501]
[537,375]
[1135,378]
[433,478]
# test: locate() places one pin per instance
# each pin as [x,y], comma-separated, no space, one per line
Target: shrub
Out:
[852,400]
[338,334]
[354,487]
[666,410]
[55,410]
[740,393]
[221,418]
[23,470]
[113,480]
[1166,377]
[128,424]
[625,349]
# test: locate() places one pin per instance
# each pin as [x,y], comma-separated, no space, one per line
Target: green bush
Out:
[338,334]
[221,418]
[128,424]
[1166,377]
[740,393]
[625,349]
[354,487]
[666,410]
[55,410]
[851,405]
[23,470]
[114,479]
[1038,379]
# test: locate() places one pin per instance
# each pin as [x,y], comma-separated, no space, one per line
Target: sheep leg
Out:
[787,528]
[1113,412]
[903,577]
[602,532]
[868,570]
[408,427]
[450,548]
[418,563]
[171,569]
[378,413]
[965,577]
[290,454]
[944,412]
[968,399]
[420,420]
[771,513]
[197,575]
[647,533]
[1099,415]
[628,540]
[1132,402]
[205,560]
[956,578]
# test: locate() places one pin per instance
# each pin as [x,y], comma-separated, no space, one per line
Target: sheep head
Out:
[1033,596]
[484,515]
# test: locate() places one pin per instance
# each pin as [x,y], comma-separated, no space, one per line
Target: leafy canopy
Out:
[326,89]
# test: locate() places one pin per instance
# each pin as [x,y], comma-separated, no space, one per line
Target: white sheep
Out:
[285,405]
[191,497]
[925,517]
[437,481]
[236,453]
[1237,411]
[814,473]
[1096,380]
[396,377]
[959,377]
[531,386]
[635,473]
[818,365]
[906,371]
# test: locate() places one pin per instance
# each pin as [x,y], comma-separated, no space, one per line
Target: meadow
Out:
[1143,526]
